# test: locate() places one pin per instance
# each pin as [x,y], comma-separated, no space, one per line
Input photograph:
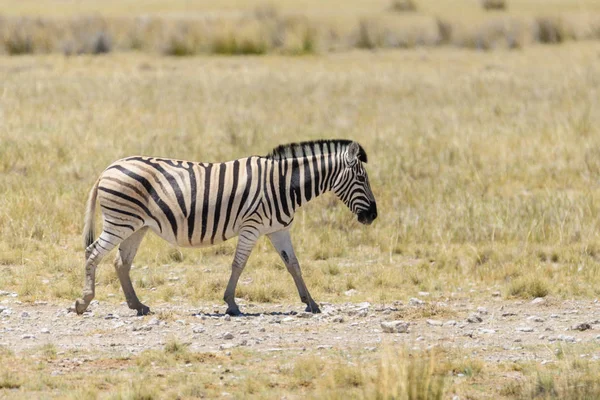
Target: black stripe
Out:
[251,209]
[205,204]
[150,189]
[193,189]
[236,171]
[295,184]
[246,189]
[316,175]
[132,200]
[222,171]
[275,204]
[307,181]
[121,225]
[123,212]
[113,234]
[174,185]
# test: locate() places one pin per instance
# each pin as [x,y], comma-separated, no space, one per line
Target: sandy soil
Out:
[494,329]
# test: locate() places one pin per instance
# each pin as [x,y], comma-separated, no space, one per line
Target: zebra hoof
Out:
[313,309]
[145,310]
[80,306]
[233,311]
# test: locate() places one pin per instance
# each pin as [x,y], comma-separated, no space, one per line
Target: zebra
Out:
[194,204]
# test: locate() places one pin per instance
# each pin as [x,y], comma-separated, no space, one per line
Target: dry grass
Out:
[484,166]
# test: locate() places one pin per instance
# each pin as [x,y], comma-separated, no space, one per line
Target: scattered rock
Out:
[227,317]
[524,329]
[584,326]
[450,323]
[415,302]
[45,330]
[304,315]
[423,294]
[198,329]
[28,336]
[486,331]
[434,322]
[509,314]
[228,336]
[350,292]
[288,319]
[394,326]
[244,332]
[474,319]
[535,318]
[538,300]
[496,294]
[338,318]
[482,310]
[227,346]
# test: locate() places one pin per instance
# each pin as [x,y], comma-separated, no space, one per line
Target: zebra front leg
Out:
[246,242]
[283,244]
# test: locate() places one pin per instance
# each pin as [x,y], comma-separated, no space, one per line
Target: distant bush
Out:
[403,5]
[494,4]
[549,30]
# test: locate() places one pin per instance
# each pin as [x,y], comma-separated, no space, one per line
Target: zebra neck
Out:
[309,177]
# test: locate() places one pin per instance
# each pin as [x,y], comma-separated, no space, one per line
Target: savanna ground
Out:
[485,167]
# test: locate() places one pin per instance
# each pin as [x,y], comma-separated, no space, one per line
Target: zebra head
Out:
[352,185]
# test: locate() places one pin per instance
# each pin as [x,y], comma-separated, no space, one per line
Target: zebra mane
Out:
[313,147]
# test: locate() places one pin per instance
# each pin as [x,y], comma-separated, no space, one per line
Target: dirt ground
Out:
[493,330]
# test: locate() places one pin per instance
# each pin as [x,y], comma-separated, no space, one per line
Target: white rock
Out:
[226,346]
[228,336]
[538,300]
[227,317]
[482,310]
[394,326]
[45,330]
[28,336]
[198,329]
[487,331]
[415,302]
[288,319]
[423,294]
[524,329]
[434,322]
[450,323]
[304,315]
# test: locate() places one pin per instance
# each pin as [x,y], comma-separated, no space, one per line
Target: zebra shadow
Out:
[250,314]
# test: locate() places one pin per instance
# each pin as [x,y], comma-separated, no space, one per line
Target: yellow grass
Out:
[485,167]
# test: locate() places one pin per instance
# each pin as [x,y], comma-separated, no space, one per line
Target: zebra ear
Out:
[352,153]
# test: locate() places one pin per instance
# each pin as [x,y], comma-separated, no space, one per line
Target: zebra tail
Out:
[89,225]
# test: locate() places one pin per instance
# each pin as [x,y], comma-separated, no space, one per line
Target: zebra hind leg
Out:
[127,250]
[94,254]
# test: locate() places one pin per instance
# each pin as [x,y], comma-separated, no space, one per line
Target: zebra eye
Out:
[361,178]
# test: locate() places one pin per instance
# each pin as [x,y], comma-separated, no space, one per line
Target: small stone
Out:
[363,312]
[226,346]
[524,329]
[415,302]
[394,326]
[198,329]
[434,322]
[474,319]
[496,294]
[584,326]
[227,317]
[154,321]
[24,314]
[565,338]
[324,346]
[261,329]
[538,300]
[288,319]
[350,292]
[482,310]
[423,294]
[45,330]
[338,318]
[28,336]
[535,318]
[450,323]
[244,332]
[487,331]
[509,314]
[304,315]
[228,336]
